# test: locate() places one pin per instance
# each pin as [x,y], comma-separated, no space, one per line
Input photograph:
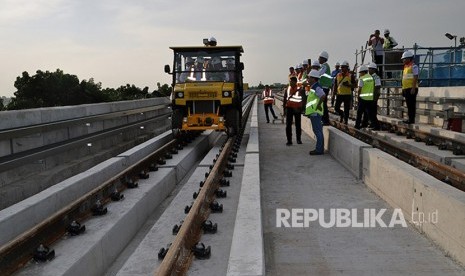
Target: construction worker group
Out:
[311,83]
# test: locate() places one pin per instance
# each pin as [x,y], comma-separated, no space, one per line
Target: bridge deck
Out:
[291,178]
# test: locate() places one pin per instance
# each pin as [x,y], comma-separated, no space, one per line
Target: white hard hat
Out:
[305,62]
[345,63]
[212,39]
[386,31]
[216,60]
[372,65]
[338,64]
[200,60]
[325,55]
[407,54]
[315,63]
[314,74]
[299,66]
[362,68]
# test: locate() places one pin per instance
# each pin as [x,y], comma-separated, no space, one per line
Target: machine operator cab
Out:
[207,88]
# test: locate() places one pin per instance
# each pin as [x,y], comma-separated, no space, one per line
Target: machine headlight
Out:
[226,94]
[180,95]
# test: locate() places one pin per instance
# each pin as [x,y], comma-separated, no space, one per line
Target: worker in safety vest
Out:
[410,85]
[292,106]
[366,90]
[344,83]
[268,100]
[326,82]
[314,110]
[372,69]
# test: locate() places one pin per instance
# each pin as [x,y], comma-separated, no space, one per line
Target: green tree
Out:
[46,89]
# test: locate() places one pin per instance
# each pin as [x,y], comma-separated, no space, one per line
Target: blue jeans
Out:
[317,127]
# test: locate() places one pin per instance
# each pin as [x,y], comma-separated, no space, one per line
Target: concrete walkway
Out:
[291,178]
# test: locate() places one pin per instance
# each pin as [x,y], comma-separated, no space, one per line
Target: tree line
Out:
[48,89]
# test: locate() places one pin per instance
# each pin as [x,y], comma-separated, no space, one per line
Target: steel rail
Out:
[19,251]
[179,256]
[24,157]
[442,172]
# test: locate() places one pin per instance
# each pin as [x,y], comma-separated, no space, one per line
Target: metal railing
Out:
[439,66]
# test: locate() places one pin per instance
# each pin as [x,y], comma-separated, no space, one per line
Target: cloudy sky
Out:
[118,42]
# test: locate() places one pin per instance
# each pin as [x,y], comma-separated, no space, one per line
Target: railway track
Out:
[37,242]
[185,245]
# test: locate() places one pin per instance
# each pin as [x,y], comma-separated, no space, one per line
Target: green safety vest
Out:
[368,87]
[312,101]
[326,81]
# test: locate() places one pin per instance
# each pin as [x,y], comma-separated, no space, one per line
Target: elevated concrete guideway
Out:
[291,178]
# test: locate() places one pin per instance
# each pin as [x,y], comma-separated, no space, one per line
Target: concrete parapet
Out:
[138,152]
[431,206]
[346,150]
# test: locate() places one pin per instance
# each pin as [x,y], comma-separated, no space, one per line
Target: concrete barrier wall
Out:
[247,255]
[346,150]
[28,117]
[431,206]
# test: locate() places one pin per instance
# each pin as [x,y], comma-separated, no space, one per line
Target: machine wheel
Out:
[176,122]
[232,117]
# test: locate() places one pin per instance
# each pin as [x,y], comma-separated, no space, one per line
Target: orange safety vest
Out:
[293,100]
[267,99]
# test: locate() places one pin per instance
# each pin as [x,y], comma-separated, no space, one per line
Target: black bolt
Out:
[215,207]
[163,251]
[176,228]
[201,252]
[116,196]
[75,228]
[227,173]
[224,183]
[153,167]
[43,253]
[98,209]
[144,174]
[209,227]
[220,193]
[187,208]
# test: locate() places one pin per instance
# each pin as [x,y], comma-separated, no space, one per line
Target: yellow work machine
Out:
[207,88]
